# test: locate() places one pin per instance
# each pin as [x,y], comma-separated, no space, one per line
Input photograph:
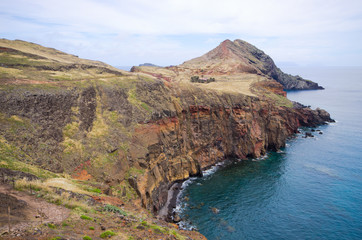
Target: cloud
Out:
[164,30]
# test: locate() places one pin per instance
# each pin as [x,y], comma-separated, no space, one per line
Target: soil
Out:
[31,218]
[26,210]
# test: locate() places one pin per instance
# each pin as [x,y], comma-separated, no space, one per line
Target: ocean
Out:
[311,189]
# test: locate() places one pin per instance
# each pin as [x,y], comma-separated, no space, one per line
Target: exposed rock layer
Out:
[187,131]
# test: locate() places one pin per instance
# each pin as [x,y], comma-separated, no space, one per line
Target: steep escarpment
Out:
[135,134]
[145,137]
[209,127]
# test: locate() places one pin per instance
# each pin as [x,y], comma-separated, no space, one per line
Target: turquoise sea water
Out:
[312,189]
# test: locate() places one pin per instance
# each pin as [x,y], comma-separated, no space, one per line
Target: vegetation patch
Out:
[158,229]
[197,79]
[9,73]
[56,238]
[107,234]
[280,100]
[52,226]
[132,98]
[94,190]
[162,230]
[71,129]
[86,217]
[114,209]
[12,157]
[134,172]
[46,192]
[125,191]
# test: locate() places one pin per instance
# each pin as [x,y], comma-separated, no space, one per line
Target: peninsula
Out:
[103,146]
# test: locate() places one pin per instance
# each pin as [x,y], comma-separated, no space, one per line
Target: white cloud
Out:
[111,29]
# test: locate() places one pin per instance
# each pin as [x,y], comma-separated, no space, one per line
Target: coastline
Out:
[167,212]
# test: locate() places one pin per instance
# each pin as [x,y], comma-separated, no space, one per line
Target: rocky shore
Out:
[306,117]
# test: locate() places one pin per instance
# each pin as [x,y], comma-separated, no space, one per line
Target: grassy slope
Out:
[48,53]
[26,66]
[30,65]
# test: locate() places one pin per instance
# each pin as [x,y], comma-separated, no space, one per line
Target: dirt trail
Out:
[27,210]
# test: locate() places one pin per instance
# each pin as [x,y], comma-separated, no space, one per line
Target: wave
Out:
[261,158]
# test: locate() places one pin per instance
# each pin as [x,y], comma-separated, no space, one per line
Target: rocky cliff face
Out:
[206,131]
[137,133]
[191,130]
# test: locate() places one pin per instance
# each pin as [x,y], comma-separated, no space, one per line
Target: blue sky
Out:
[168,32]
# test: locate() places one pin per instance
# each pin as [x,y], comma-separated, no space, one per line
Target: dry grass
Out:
[226,83]
[233,84]
[279,100]
[48,53]
[65,184]
[157,70]
[44,56]
[100,128]
[45,191]
[36,185]
[11,72]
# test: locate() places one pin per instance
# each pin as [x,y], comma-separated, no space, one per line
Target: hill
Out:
[236,65]
[238,57]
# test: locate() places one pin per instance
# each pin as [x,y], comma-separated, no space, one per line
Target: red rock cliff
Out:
[146,136]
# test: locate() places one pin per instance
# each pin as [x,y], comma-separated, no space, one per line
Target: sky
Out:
[169,32]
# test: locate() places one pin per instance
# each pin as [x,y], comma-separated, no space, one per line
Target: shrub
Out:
[91,228]
[94,190]
[194,78]
[86,217]
[87,238]
[107,234]
[202,80]
[114,209]
[158,229]
[52,226]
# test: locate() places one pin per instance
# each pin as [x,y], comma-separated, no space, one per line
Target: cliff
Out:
[135,133]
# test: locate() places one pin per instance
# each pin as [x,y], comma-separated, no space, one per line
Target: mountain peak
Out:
[222,51]
[226,44]
[238,57]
